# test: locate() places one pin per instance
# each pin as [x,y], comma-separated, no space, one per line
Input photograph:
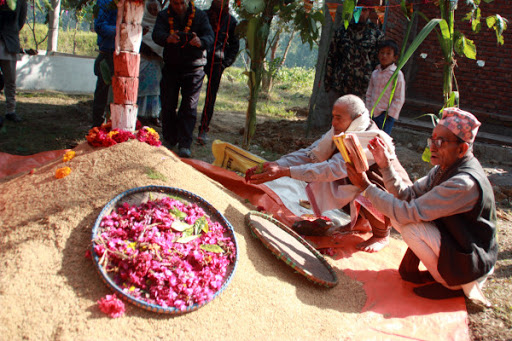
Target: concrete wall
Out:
[65,73]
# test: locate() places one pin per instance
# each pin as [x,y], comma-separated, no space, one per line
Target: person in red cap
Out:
[352,55]
[447,218]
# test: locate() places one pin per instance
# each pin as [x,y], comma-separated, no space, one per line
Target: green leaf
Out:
[426,155]
[499,24]
[212,248]
[348,12]
[464,46]
[434,118]
[201,224]
[188,232]
[476,26]
[12,4]
[184,240]
[180,226]
[453,101]
[178,214]
[446,38]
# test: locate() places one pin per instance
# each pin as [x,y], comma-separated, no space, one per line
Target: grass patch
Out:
[154,174]
[81,44]
[292,88]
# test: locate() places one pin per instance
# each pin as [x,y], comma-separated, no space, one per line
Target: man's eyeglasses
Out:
[439,142]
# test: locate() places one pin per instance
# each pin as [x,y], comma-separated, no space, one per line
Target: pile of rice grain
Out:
[49,289]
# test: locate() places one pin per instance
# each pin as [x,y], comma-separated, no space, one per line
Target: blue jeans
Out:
[388,125]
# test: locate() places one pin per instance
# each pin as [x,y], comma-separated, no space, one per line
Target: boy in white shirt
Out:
[386,113]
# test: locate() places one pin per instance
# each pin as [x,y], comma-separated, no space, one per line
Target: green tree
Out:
[257,16]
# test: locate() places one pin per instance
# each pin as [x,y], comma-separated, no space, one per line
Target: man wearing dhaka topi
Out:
[447,218]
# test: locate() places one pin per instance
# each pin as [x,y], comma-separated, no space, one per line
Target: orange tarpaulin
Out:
[407,316]
[13,164]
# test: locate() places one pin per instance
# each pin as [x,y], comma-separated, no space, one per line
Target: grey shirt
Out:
[412,204]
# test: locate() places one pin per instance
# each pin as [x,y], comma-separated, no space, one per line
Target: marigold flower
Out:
[68,156]
[62,172]
[112,133]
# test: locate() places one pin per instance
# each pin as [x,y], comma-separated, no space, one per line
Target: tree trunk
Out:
[268,72]
[319,109]
[258,30]
[53,26]
[267,81]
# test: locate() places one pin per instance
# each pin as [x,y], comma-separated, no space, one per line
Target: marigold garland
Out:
[189,22]
[105,136]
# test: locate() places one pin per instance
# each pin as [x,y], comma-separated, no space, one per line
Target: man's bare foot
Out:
[374,244]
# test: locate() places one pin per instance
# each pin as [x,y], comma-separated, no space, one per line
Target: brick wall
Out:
[487,90]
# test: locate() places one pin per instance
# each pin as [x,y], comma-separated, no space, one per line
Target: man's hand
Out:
[271,171]
[195,41]
[357,179]
[173,39]
[379,151]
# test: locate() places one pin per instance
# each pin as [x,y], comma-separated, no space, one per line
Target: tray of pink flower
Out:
[164,249]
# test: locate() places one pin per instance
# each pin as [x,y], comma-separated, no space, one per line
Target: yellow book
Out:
[351,150]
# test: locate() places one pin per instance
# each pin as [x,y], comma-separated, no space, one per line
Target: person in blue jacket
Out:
[185,33]
[105,27]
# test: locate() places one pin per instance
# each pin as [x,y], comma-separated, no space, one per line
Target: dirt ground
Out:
[49,125]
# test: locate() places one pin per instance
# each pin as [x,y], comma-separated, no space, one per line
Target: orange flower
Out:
[68,156]
[62,172]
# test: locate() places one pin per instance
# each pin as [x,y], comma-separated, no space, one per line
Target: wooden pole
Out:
[125,83]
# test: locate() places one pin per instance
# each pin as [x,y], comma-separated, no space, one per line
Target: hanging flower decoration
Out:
[62,172]
[112,306]
[189,21]
[165,252]
[105,136]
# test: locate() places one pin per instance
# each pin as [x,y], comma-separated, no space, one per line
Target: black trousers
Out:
[177,128]
[214,75]
[101,91]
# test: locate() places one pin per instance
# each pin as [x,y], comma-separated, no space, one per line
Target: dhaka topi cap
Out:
[461,123]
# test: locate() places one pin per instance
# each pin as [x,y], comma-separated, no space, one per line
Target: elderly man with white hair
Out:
[447,218]
[323,168]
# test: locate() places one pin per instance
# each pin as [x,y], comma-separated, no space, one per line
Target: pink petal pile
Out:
[112,306]
[165,252]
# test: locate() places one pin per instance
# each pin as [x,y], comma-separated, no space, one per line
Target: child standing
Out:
[386,113]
